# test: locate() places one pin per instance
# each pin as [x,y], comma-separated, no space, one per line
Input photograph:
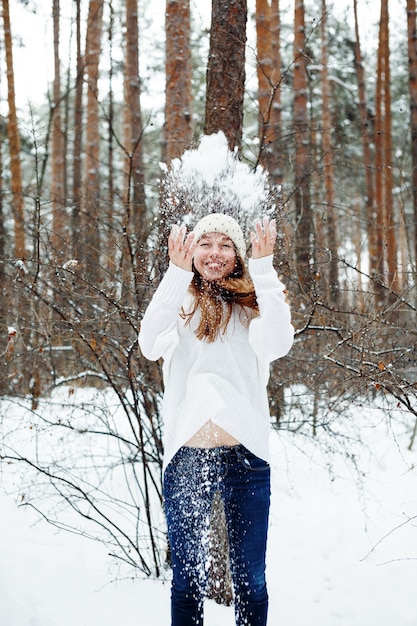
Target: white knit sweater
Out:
[225,380]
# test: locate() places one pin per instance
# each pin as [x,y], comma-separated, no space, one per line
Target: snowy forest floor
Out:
[342,547]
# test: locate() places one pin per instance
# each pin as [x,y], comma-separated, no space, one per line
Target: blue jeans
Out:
[190,481]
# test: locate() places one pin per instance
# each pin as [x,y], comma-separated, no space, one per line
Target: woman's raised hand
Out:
[263,238]
[181,247]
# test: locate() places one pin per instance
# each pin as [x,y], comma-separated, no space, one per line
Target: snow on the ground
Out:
[341,551]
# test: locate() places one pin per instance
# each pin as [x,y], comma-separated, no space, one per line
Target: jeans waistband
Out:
[217,451]
[216,458]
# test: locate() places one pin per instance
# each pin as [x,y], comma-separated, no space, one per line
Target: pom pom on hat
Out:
[221,223]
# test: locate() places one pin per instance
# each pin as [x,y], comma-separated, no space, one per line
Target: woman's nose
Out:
[215,251]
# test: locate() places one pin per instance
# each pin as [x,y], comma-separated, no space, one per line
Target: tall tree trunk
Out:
[366,122]
[14,142]
[328,166]
[111,243]
[302,148]
[2,220]
[59,229]
[135,208]
[264,73]
[378,252]
[77,146]
[389,210]
[404,246]
[357,240]
[412,86]
[269,76]
[91,188]
[386,247]
[276,169]
[178,69]
[4,282]
[226,71]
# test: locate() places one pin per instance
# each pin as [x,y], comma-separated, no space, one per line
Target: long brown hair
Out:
[216,300]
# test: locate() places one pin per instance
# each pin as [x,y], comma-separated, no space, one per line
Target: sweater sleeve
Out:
[158,329]
[271,334]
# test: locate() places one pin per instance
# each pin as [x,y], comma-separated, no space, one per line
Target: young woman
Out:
[217,328]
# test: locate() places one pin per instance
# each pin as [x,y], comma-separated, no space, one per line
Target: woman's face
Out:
[214,256]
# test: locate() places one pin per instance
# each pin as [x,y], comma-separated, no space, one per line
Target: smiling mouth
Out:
[215,266]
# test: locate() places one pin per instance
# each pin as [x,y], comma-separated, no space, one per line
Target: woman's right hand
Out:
[181,247]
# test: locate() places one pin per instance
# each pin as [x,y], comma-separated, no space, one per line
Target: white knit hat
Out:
[221,223]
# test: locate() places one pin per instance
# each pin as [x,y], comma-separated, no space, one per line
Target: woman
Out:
[217,328]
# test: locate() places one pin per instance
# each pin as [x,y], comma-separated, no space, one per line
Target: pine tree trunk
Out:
[412,86]
[226,71]
[302,149]
[4,284]
[386,245]
[328,167]
[366,122]
[219,585]
[14,142]
[377,254]
[178,67]
[77,145]
[91,189]
[264,73]
[111,243]
[59,230]
[269,76]
[276,168]
[389,211]
[135,208]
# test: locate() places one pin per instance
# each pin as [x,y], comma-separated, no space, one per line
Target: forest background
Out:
[323,100]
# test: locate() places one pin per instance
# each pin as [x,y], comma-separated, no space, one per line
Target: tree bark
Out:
[412,87]
[91,188]
[77,145]
[135,208]
[14,142]
[178,67]
[111,243]
[276,170]
[269,77]
[385,249]
[302,148]
[5,282]
[328,167]
[377,253]
[59,227]
[264,72]
[226,71]
[389,209]
[219,585]
[365,122]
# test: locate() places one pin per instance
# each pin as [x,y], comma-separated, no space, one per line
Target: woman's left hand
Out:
[263,240]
